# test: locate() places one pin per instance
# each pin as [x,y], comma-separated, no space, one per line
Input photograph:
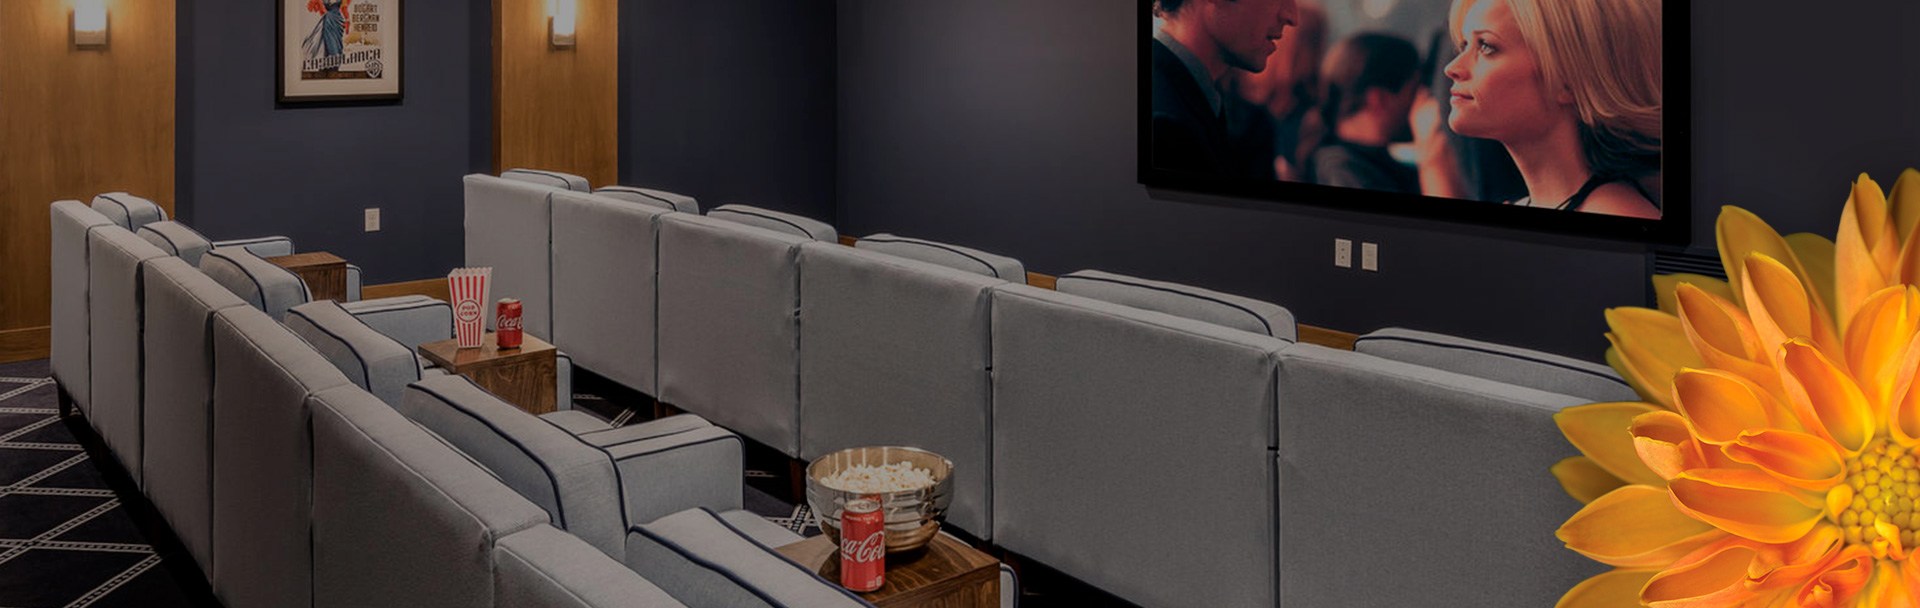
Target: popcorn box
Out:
[469,289]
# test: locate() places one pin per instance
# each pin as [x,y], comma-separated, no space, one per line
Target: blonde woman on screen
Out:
[1572,89]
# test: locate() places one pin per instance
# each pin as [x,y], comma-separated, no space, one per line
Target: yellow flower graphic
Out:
[1775,460]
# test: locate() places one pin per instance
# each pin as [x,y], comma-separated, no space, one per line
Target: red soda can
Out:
[507,323]
[863,545]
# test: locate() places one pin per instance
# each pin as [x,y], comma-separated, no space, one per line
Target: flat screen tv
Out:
[1544,114]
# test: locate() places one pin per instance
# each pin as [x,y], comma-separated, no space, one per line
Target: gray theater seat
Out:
[894,351]
[509,227]
[177,425]
[952,256]
[729,331]
[1133,450]
[262,284]
[604,279]
[262,465]
[647,196]
[551,179]
[797,225]
[71,351]
[176,239]
[400,518]
[371,360]
[115,257]
[1227,310]
[1498,362]
[1448,471]
[542,567]
[129,211]
[705,561]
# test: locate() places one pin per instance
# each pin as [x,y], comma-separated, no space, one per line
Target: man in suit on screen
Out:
[1200,41]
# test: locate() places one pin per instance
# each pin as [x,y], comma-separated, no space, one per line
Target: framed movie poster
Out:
[339,50]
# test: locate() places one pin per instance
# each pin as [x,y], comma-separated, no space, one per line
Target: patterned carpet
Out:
[74,532]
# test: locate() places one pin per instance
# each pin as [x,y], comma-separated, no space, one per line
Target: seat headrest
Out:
[177,239]
[1245,314]
[129,211]
[951,256]
[796,225]
[648,196]
[563,181]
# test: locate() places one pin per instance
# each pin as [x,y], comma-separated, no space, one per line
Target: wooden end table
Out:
[324,273]
[949,574]
[521,376]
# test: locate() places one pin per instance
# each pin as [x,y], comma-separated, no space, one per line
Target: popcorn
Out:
[883,479]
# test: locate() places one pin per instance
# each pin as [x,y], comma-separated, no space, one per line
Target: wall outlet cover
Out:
[1343,253]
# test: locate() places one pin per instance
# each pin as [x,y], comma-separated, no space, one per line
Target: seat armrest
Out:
[353,283]
[412,320]
[672,473]
[646,430]
[562,381]
[265,246]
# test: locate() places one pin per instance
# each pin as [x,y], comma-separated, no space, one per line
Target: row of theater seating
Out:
[317,462]
[1168,444]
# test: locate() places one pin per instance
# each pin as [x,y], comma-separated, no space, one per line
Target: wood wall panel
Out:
[74,123]
[556,109]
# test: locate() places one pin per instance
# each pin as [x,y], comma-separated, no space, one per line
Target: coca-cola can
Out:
[863,545]
[507,323]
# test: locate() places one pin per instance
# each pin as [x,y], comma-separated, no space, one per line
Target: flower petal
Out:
[1782,309]
[1665,284]
[1903,422]
[1877,341]
[1826,400]
[1839,582]
[1618,587]
[1654,346]
[1635,527]
[1584,480]
[1721,405]
[1740,232]
[1904,204]
[1717,579]
[1864,253]
[1633,377]
[1816,259]
[1666,444]
[1791,565]
[1888,589]
[1801,460]
[1748,504]
[1601,431]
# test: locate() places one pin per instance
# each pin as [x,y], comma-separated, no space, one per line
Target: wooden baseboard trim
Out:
[432,288]
[25,344]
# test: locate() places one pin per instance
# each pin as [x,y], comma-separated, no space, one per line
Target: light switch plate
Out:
[373,219]
[1370,257]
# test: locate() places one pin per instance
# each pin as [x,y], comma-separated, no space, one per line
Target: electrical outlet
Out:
[1343,253]
[373,219]
[1370,257]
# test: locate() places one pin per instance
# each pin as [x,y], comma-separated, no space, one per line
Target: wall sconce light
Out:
[90,23]
[562,16]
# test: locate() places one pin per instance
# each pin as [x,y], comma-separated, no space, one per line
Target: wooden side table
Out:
[324,273]
[949,574]
[521,376]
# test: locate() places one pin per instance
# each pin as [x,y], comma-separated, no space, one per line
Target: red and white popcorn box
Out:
[469,289]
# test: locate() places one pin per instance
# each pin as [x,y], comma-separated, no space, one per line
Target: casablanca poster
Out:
[339,50]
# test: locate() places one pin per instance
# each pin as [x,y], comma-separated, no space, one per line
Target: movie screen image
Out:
[1545,104]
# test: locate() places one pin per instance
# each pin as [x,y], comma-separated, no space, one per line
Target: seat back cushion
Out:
[178,387]
[554,179]
[262,465]
[129,211]
[116,257]
[604,272]
[648,196]
[177,240]
[728,332]
[411,320]
[895,351]
[369,359]
[574,482]
[399,518]
[1498,362]
[509,227]
[260,283]
[1435,464]
[542,567]
[1244,314]
[703,560]
[1081,387]
[788,223]
[952,256]
[71,348]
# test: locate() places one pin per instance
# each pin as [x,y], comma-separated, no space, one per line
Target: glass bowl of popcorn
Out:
[913,487]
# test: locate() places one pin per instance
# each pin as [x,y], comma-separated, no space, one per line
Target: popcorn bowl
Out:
[913,516]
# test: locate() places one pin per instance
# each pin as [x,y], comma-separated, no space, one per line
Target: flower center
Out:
[1886,483]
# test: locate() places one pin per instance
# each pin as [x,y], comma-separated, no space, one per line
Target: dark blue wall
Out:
[730,101]
[1009,125]
[248,168]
